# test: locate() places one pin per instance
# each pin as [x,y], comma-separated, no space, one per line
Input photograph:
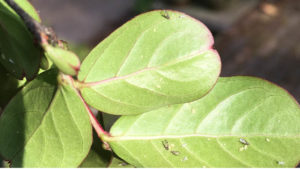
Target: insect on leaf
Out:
[242,122]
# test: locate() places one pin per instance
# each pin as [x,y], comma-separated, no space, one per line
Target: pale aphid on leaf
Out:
[243,141]
[176,153]
[165,14]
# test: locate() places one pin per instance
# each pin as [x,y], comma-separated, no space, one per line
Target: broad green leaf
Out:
[65,60]
[45,125]
[97,157]
[214,131]
[8,87]
[158,58]
[117,163]
[26,6]
[20,55]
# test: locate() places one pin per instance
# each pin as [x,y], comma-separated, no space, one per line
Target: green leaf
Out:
[97,157]
[20,55]
[8,87]
[214,131]
[65,60]
[150,62]
[26,6]
[45,125]
[117,163]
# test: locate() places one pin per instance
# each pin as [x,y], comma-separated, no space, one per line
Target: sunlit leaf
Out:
[45,125]
[242,122]
[158,58]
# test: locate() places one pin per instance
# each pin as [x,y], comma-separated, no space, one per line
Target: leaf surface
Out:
[19,54]
[117,163]
[26,6]
[97,157]
[150,62]
[242,122]
[8,87]
[45,125]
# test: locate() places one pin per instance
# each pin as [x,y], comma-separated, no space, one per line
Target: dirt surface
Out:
[265,43]
[79,21]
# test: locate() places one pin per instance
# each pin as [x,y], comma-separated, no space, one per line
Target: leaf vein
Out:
[165,40]
[172,118]
[222,101]
[59,137]
[135,43]
[159,152]
[73,119]
[132,154]
[117,101]
[192,153]
[230,154]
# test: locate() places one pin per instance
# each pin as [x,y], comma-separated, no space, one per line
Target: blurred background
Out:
[254,37]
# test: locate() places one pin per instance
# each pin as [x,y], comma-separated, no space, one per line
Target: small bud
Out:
[66,61]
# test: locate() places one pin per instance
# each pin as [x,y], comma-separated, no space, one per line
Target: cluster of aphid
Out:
[167,147]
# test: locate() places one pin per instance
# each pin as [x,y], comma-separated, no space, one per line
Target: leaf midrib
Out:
[175,61]
[127,138]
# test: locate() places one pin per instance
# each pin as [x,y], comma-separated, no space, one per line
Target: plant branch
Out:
[103,135]
[41,33]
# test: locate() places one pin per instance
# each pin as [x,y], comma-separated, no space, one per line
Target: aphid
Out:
[267,139]
[243,141]
[11,61]
[280,162]
[245,147]
[165,144]
[184,158]
[122,164]
[172,145]
[3,56]
[176,153]
[165,14]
